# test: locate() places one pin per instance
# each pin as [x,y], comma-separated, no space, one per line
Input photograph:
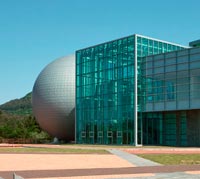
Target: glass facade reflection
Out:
[172,99]
[165,128]
[172,80]
[112,91]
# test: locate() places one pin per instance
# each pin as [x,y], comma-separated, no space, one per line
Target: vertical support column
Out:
[135,97]
[75,136]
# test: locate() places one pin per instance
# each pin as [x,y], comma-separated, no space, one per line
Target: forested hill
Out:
[20,106]
[18,122]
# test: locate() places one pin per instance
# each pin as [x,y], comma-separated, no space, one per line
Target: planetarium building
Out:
[53,98]
[134,90]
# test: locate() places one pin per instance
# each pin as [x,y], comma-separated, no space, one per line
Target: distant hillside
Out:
[18,122]
[20,106]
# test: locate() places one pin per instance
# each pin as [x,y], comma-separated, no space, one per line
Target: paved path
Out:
[18,162]
[65,173]
[134,159]
[117,165]
[175,175]
[162,150]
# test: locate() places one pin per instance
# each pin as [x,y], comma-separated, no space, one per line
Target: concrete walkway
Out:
[102,173]
[133,159]
[120,164]
[175,175]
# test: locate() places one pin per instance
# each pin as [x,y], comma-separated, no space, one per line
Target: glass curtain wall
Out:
[165,128]
[105,93]
[172,81]
[145,47]
[105,89]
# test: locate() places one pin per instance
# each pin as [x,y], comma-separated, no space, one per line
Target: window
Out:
[170,89]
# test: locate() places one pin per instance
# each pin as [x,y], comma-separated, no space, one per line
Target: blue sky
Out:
[35,32]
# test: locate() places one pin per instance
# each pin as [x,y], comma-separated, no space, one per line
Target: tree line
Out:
[20,127]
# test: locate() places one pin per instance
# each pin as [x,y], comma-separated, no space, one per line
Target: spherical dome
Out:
[53,98]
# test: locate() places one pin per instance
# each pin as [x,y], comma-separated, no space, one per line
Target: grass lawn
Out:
[173,159]
[98,146]
[112,146]
[52,150]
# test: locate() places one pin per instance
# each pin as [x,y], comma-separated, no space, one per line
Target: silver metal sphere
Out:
[53,98]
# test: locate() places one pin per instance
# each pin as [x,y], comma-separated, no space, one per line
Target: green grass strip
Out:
[173,159]
[53,150]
